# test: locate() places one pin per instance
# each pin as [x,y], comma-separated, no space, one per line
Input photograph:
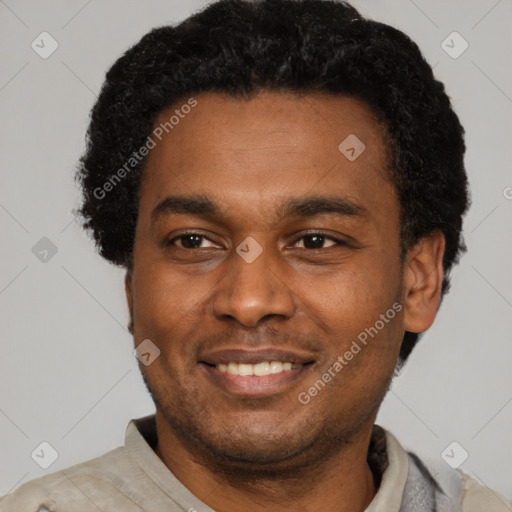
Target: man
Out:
[284,183]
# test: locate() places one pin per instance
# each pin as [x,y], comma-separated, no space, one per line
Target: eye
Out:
[312,241]
[317,240]
[189,241]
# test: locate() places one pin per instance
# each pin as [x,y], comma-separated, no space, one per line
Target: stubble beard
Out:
[278,454]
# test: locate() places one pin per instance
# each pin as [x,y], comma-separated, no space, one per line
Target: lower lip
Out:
[252,386]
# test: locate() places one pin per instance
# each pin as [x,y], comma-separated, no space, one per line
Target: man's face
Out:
[303,300]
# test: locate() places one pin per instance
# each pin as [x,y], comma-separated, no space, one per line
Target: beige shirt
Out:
[133,478]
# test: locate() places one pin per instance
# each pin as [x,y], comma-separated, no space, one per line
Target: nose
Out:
[251,292]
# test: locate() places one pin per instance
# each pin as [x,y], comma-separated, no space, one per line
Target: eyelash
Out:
[338,242]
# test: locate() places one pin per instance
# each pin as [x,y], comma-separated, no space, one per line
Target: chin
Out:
[254,448]
[249,442]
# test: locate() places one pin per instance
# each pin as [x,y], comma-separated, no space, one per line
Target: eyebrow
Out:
[308,206]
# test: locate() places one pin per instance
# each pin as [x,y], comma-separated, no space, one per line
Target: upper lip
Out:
[238,355]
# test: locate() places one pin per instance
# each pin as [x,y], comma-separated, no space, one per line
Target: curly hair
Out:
[238,47]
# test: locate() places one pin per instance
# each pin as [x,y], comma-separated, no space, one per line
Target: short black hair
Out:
[239,47]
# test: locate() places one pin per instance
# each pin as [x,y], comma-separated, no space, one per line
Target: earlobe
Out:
[128,287]
[129,297]
[423,279]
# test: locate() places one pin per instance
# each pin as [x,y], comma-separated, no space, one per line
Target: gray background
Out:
[67,372]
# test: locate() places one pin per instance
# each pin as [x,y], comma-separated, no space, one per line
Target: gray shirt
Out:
[133,478]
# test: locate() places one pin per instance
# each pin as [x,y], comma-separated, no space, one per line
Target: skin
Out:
[248,156]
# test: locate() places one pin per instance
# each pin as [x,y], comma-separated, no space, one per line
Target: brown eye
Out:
[317,240]
[189,241]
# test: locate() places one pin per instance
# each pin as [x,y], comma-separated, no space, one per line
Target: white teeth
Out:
[276,367]
[261,369]
[245,369]
[232,368]
[258,370]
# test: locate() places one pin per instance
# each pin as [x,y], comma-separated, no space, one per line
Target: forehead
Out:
[252,153]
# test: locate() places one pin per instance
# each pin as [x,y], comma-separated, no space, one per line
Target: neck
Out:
[342,482]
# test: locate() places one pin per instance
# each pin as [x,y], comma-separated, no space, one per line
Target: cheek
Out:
[356,296]
[165,311]
[164,300]
[361,314]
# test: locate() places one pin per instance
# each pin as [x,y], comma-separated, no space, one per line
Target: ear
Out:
[129,296]
[423,280]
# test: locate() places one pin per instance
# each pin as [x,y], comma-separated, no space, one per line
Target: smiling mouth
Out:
[268,371]
[260,369]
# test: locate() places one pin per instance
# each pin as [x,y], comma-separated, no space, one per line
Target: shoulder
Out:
[459,488]
[83,487]
[455,490]
[476,497]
